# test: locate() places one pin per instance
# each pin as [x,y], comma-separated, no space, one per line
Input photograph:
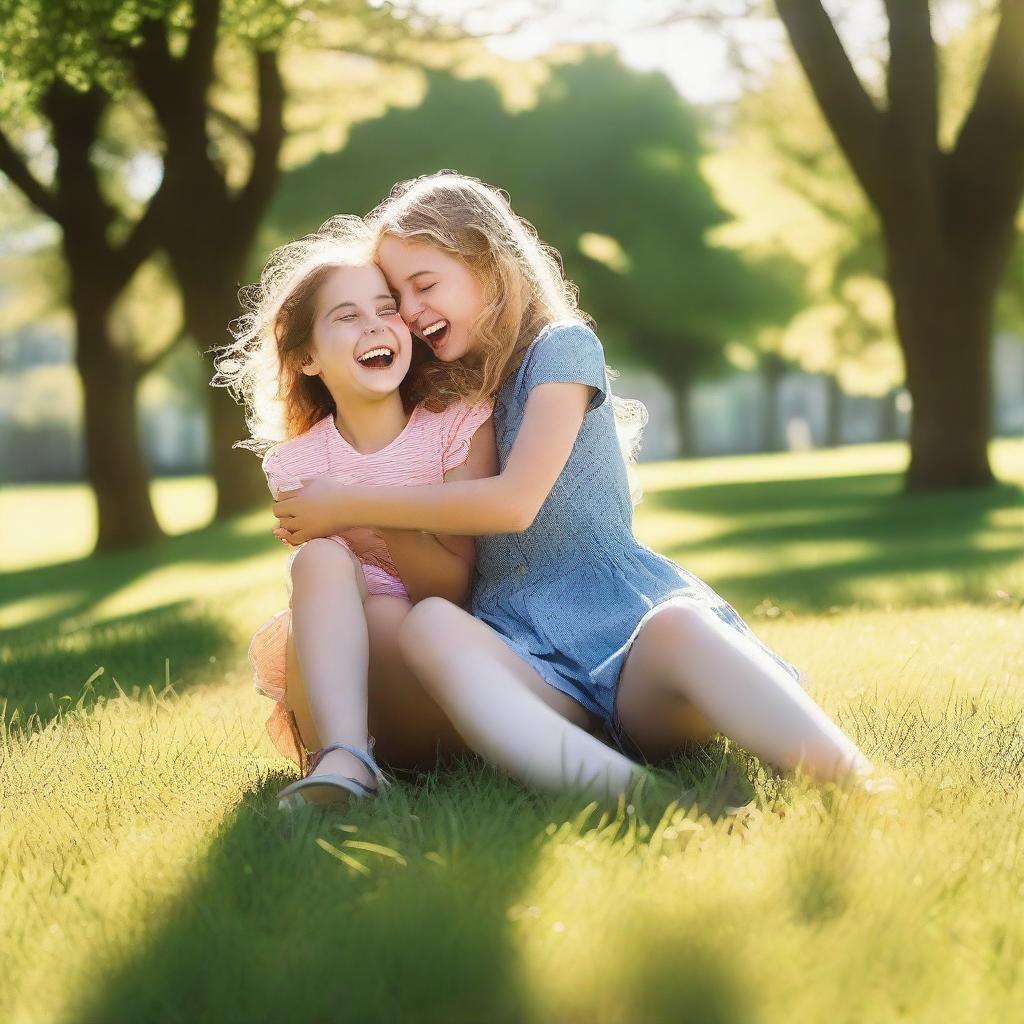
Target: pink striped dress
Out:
[430,445]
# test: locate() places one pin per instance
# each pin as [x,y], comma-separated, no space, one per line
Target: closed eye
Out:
[426,288]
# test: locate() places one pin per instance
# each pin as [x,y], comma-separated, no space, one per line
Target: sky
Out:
[694,54]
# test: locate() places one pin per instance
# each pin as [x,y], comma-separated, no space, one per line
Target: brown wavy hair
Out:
[262,366]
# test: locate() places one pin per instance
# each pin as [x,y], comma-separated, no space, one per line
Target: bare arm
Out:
[433,566]
[507,503]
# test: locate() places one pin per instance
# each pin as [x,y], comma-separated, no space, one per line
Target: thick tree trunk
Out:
[944,321]
[98,273]
[115,462]
[208,248]
[948,214]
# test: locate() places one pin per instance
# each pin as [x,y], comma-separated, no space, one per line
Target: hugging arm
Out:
[506,503]
[432,566]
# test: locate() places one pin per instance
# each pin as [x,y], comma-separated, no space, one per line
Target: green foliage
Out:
[87,42]
[792,193]
[606,165]
[793,196]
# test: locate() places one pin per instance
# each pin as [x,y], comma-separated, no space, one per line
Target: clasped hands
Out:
[315,509]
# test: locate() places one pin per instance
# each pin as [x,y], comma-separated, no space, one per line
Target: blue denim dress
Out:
[569,594]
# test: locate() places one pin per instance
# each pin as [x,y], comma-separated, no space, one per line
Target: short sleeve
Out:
[460,426]
[569,354]
[285,469]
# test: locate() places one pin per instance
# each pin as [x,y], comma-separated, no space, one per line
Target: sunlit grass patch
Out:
[145,873]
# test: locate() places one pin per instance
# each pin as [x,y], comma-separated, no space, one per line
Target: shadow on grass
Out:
[907,535]
[291,919]
[46,669]
[88,581]
[278,928]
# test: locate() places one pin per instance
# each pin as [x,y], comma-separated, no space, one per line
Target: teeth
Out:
[382,351]
[434,328]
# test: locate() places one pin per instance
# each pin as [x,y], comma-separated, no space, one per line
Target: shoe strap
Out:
[363,755]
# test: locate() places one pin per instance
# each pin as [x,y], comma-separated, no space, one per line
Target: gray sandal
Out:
[331,789]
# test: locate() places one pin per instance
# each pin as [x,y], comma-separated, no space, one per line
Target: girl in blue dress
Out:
[575,626]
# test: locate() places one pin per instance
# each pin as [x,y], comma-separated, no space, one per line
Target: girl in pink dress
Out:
[325,366]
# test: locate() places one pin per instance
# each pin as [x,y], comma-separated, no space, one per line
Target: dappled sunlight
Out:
[849,538]
[774,557]
[658,529]
[957,648]
[183,503]
[178,644]
[140,841]
[57,522]
[599,912]
[170,583]
[851,460]
[16,614]
[767,912]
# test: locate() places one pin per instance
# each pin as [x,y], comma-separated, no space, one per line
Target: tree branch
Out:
[232,124]
[153,67]
[202,44]
[912,78]
[912,117]
[75,117]
[987,162]
[13,165]
[855,121]
[145,236]
[266,139]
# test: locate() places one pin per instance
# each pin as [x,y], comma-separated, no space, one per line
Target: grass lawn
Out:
[145,874]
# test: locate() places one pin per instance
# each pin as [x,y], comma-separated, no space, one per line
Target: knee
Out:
[679,619]
[421,631]
[321,556]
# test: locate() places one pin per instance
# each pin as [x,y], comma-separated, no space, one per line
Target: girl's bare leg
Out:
[689,675]
[332,650]
[410,729]
[504,710]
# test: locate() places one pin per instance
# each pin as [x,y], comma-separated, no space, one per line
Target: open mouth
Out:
[379,358]
[435,334]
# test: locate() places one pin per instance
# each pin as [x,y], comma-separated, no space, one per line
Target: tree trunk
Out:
[944,321]
[115,463]
[772,369]
[208,248]
[210,304]
[98,274]
[833,411]
[682,408]
[241,485]
[948,214]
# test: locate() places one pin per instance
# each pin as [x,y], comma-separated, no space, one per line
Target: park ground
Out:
[145,874]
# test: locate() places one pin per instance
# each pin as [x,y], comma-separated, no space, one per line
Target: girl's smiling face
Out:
[438,296]
[360,345]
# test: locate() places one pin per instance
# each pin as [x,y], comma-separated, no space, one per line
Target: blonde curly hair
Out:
[522,279]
